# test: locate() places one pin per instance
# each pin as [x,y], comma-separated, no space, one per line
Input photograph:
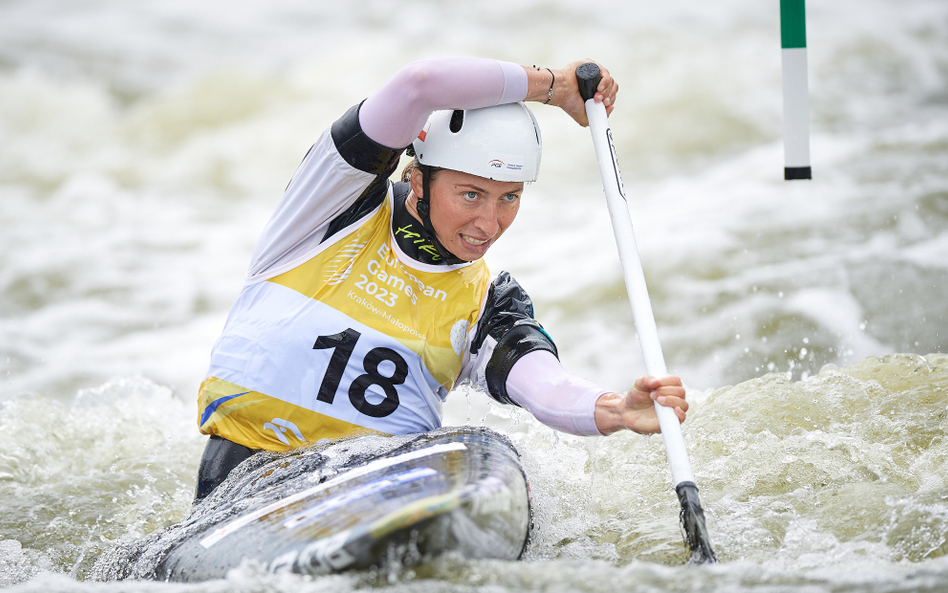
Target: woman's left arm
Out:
[539,383]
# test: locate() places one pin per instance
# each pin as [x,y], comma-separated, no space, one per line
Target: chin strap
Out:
[424,212]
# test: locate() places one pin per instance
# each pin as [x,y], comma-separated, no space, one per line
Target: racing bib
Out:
[357,338]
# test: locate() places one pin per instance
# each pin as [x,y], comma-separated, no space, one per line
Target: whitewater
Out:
[143,147]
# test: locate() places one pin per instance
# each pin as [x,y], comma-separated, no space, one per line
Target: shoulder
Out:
[362,153]
[507,303]
[358,149]
[506,332]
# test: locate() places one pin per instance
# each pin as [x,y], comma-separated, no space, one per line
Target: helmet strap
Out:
[424,212]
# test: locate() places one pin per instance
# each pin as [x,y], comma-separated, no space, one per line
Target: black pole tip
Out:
[790,173]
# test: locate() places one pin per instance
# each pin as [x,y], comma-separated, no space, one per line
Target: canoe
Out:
[354,504]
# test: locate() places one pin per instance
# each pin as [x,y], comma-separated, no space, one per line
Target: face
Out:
[469,213]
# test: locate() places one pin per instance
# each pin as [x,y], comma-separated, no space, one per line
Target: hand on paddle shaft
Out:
[635,410]
[566,90]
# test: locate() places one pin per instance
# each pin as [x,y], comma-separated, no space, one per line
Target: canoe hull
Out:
[342,507]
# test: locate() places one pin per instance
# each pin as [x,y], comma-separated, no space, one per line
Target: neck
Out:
[414,239]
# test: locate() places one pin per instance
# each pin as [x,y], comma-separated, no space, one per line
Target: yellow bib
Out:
[357,338]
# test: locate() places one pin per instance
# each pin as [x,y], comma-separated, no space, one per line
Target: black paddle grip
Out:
[588,75]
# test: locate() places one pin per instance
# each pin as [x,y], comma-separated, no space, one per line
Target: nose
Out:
[487,220]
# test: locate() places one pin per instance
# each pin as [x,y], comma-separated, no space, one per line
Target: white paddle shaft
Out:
[635,285]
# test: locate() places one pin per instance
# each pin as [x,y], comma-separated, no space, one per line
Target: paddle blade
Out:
[692,523]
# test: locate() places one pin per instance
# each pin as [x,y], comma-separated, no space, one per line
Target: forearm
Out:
[540,384]
[393,115]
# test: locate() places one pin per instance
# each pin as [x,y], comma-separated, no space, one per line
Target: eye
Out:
[470,195]
[511,197]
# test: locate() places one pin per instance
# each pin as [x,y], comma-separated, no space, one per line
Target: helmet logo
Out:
[505,163]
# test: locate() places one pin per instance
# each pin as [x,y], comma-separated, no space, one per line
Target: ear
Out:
[415,181]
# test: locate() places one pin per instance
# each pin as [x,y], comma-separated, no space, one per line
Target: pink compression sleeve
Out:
[394,114]
[540,384]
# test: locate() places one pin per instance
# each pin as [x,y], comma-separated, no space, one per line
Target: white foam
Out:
[143,146]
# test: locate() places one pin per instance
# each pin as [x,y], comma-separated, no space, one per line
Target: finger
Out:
[671,401]
[606,81]
[608,88]
[646,384]
[674,390]
[609,100]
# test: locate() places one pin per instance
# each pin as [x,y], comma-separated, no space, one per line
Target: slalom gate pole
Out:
[692,516]
[796,99]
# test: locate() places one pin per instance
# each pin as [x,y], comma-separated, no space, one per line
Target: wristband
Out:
[549,95]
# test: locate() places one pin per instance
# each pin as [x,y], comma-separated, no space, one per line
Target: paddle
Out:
[692,517]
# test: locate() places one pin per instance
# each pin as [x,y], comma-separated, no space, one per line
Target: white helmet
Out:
[500,142]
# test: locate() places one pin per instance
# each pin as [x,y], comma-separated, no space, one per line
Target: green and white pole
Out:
[796,99]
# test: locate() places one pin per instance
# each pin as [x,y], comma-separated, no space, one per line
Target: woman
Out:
[367,301]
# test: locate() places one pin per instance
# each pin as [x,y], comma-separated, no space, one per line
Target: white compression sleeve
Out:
[394,114]
[540,384]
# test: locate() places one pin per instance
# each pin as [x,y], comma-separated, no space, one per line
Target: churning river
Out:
[144,144]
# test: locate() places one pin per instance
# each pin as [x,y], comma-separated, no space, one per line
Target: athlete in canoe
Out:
[367,301]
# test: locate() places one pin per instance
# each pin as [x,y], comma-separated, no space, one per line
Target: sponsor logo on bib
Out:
[459,335]
[280,427]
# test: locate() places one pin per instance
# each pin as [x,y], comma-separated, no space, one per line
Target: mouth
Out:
[474,242]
